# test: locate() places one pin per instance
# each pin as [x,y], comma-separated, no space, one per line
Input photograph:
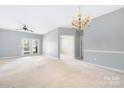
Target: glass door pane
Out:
[35,46]
[26,46]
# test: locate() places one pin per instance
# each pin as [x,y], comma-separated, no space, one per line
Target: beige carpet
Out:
[42,71]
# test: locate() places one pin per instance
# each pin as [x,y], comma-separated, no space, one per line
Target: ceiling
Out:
[44,18]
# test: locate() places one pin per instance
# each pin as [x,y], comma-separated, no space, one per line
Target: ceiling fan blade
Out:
[30,30]
[19,29]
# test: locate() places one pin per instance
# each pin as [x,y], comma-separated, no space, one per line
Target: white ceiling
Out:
[44,18]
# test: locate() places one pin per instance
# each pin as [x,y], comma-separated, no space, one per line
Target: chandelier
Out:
[80,22]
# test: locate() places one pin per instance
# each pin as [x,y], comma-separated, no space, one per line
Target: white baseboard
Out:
[2,58]
[17,56]
[108,68]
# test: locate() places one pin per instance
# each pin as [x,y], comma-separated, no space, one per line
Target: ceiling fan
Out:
[25,28]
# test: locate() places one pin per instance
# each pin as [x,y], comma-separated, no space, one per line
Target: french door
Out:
[30,46]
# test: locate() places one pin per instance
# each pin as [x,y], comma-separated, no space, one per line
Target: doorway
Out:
[66,46]
[30,46]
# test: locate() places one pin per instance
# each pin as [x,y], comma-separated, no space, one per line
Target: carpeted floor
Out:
[45,72]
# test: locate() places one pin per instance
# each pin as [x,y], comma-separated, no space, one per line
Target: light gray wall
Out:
[51,44]
[106,33]
[10,42]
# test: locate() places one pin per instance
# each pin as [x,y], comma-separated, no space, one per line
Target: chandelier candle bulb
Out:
[80,22]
